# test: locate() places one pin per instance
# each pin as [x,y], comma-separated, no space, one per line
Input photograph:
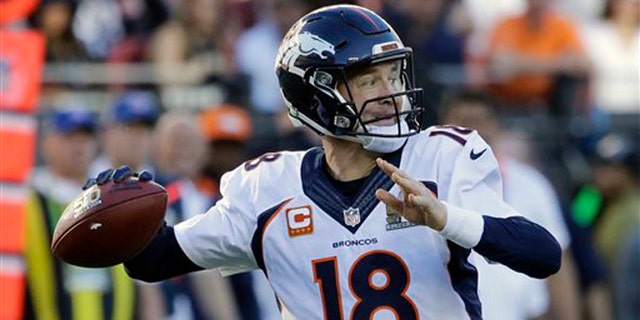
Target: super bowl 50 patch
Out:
[395,221]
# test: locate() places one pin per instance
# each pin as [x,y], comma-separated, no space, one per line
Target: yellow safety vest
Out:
[57,290]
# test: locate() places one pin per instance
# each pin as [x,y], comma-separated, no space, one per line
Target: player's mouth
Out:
[381,119]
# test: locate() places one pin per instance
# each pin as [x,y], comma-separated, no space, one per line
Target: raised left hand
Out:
[418,204]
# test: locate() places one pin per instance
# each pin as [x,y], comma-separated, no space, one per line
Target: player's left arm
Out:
[499,233]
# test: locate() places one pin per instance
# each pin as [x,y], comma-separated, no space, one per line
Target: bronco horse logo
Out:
[305,44]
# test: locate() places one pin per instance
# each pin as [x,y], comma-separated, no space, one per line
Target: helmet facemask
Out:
[355,123]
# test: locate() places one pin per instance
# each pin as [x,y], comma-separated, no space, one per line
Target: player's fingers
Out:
[388,168]
[383,166]
[409,186]
[145,176]
[90,182]
[122,173]
[104,176]
[389,199]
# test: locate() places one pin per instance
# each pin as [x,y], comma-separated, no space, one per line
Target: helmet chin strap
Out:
[385,144]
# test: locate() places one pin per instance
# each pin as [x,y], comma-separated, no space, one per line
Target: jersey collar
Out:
[317,186]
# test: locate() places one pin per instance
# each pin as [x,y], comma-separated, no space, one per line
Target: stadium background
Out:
[196,55]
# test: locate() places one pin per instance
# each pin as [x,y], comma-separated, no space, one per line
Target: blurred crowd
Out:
[552,85]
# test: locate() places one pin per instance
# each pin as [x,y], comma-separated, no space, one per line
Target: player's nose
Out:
[387,89]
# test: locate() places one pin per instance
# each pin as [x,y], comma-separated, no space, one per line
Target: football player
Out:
[377,223]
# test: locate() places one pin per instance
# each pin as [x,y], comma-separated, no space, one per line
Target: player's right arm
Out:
[219,238]
[163,258]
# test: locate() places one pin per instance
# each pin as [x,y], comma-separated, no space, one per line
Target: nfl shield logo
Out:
[351,216]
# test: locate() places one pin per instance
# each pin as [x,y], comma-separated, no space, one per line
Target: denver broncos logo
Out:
[305,44]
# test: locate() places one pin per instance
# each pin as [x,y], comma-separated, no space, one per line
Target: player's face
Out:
[376,81]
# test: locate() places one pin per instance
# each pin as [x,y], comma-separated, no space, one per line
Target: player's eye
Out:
[367,82]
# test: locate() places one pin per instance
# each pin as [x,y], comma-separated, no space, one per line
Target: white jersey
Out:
[327,258]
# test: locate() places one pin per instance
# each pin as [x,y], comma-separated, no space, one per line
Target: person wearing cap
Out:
[126,139]
[228,130]
[56,290]
[179,147]
[68,146]
[616,229]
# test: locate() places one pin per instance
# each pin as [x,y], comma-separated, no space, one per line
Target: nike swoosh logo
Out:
[475,156]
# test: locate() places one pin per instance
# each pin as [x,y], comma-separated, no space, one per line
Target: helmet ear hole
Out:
[295,90]
[315,103]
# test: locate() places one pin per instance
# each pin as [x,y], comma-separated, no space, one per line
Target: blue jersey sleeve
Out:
[521,245]
[161,259]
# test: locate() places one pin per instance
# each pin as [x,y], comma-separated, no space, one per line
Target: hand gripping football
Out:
[110,223]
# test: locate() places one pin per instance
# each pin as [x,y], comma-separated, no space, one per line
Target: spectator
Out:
[274,19]
[591,270]
[228,129]
[483,16]
[179,149]
[140,18]
[194,43]
[627,279]
[54,18]
[613,45]
[127,133]
[615,176]
[291,137]
[56,290]
[98,24]
[437,31]
[528,192]
[581,11]
[257,47]
[528,52]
